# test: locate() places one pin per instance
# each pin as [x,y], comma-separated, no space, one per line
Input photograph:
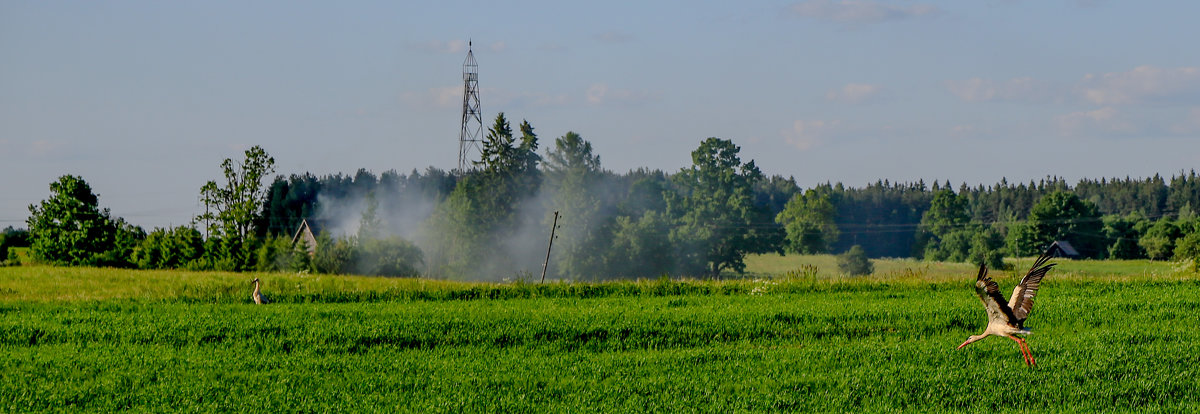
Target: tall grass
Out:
[1128,346]
[767,273]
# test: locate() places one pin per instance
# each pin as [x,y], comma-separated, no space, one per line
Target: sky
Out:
[145,99]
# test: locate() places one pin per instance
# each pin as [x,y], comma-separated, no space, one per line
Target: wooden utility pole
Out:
[546,264]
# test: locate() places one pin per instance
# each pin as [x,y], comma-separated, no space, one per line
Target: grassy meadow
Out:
[1115,336]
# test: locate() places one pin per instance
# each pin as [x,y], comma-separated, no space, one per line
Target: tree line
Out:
[702,220]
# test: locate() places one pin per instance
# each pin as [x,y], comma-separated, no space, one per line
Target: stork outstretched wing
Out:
[1022,297]
[993,301]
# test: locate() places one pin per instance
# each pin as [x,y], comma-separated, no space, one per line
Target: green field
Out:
[1109,336]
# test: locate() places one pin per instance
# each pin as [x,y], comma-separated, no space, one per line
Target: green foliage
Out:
[370,223]
[986,248]
[12,238]
[334,256]
[389,256]
[233,208]
[641,247]
[949,235]
[227,254]
[646,193]
[806,272]
[718,220]
[69,228]
[573,174]
[854,262]
[278,254]
[1188,247]
[856,347]
[1159,240]
[808,219]
[127,238]
[947,212]
[871,216]
[486,207]
[1124,233]
[1059,216]
[950,247]
[169,249]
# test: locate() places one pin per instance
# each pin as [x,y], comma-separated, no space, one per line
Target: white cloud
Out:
[986,90]
[859,11]
[806,134]
[498,47]
[853,93]
[1103,121]
[1143,84]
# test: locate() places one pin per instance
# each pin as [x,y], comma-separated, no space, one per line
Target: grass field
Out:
[1109,336]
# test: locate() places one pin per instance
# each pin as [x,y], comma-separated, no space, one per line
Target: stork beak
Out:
[963,344]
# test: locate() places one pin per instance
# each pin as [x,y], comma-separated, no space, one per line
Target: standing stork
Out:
[1008,319]
[257,295]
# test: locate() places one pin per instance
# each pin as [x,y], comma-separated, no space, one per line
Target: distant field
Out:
[771,265]
[1109,336]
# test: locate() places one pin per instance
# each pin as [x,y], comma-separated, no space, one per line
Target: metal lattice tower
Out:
[472,118]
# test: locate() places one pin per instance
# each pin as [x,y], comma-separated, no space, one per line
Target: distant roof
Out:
[1064,248]
[311,225]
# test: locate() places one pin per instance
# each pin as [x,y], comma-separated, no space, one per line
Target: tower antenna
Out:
[472,118]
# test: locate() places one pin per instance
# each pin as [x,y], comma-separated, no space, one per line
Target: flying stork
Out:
[1007,319]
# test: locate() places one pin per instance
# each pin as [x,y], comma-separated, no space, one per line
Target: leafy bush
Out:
[854,262]
[640,247]
[169,249]
[227,254]
[336,256]
[278,254]
[390,256]
[11,237]
[1159,240]
[986,248]
[1124,232]
[1188,247]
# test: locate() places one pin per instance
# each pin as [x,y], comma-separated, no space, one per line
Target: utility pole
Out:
[546,264]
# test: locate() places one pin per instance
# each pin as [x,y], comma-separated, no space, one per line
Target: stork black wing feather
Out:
[1021,301]
[993,300]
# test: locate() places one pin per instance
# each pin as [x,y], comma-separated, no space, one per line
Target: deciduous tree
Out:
[69,228]
[808,219]
[718,221]
[234,207]
[1059,216]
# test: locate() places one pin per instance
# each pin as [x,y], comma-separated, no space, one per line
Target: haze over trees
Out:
[493,222]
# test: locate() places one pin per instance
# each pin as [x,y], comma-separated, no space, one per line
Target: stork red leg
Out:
[1032,362]
[1024,350]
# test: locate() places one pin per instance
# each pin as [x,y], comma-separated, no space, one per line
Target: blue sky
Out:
[144,99]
